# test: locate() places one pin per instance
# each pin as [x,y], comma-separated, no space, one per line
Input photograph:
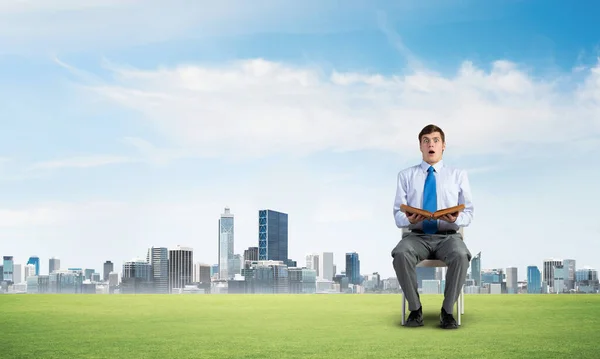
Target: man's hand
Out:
[415,218]
[451,217]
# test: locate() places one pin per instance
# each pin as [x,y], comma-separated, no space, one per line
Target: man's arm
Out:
[400,217]
[464,196]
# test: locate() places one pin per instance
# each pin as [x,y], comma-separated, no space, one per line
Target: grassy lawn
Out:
[293,326]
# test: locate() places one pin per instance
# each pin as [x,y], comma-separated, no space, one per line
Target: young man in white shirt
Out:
[431,185]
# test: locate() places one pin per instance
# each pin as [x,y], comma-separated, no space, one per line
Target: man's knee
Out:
[459,255]
[404,255]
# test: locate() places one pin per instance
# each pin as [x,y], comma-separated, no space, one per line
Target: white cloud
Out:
[57,214]
[146,152]
[258,107]
[82,162]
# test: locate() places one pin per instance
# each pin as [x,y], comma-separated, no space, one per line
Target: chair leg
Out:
[403,308]
[462,296]
[459,307]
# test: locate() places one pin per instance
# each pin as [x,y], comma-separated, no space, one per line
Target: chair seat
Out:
[431,263]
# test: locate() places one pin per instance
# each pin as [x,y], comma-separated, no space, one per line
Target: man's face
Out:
[432,147]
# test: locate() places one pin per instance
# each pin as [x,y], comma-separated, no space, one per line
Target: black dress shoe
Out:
[447,320]
[415,318]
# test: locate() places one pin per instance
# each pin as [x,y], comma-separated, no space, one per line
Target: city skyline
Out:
[118,136]
[339,259]
[302,261]
[174,271]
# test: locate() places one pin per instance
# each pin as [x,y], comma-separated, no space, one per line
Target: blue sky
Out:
[129,124]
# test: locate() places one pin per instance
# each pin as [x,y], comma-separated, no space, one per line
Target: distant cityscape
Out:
[267,268]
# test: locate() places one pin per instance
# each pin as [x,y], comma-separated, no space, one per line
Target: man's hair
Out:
[429,129]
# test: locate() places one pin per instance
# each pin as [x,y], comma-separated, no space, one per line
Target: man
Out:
[431,186]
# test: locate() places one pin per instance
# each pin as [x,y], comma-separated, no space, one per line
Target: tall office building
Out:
[226,243]
[492,276]
[29,271]
[35,260]
[7,269]
[53,265]
[88,272]
[560,273]
[272,235]
[353,268]
[326,267]
[512,285]
[586,274]
[312,262]
[476,269]
[251,254]
[534,280]
[548,270]
[18,273]
[425,274]
[158,257]
[137,277]
[181,267]
[108,268]
[570,270]
[201,273]
[237,263]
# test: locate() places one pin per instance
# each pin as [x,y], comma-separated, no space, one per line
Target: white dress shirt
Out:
[452,186]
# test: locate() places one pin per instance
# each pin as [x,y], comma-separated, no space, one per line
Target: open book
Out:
[435,215]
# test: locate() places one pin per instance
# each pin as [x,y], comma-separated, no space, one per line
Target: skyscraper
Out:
[272,235]
[201,273]
[512,285]
[548,270]
[29,271]
[425,273]
[158,257]
[312,262]
[36,262]
[570,270]
[181,267]
[476,269]
[7,269]
[53,265]
[226,243]
[326,267]
[17,273]
[108,268]
[137,277]
[353,268]
[534,280]
[251,254]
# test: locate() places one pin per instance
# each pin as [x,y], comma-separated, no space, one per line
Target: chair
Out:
[460,303]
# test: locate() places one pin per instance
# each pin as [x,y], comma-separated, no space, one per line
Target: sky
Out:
[129,124]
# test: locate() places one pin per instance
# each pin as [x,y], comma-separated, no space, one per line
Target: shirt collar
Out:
[438,166]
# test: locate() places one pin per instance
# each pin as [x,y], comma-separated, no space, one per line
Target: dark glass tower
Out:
[353,268]
[272,235]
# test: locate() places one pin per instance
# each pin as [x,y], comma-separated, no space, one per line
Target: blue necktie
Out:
[430,201]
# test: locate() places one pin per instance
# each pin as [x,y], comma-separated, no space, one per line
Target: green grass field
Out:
[294,326]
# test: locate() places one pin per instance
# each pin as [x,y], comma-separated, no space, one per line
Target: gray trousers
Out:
[415,247]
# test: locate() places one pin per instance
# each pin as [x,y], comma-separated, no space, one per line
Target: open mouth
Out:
[431,152]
